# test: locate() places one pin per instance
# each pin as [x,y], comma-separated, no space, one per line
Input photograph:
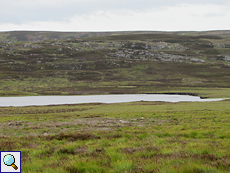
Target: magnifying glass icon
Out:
[9,160]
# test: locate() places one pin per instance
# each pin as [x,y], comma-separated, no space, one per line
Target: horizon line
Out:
[115,31]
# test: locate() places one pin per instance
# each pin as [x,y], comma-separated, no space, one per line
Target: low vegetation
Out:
[50,63]
[127,137]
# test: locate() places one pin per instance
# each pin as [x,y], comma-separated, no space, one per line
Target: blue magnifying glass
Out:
[9,160]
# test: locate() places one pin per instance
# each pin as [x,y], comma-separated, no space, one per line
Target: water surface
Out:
[57,100]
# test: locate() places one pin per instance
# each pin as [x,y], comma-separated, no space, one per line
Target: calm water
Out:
[56,100]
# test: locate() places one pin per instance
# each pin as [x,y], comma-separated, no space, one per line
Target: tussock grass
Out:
[126,137]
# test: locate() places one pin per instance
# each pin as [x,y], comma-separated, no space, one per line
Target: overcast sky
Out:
[114,15]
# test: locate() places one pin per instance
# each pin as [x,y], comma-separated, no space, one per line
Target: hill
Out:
[47,63]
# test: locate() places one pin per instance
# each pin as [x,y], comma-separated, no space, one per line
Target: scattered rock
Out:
[149,55]
[121,121]
[223,57]
[86,44]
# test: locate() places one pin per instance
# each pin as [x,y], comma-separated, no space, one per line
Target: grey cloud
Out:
[20,11]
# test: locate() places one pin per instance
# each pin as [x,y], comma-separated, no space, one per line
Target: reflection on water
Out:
[56,100]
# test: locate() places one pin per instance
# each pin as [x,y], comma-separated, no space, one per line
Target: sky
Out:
[114,15]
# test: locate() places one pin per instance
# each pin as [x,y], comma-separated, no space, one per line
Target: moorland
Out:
[184,137]
[50,63]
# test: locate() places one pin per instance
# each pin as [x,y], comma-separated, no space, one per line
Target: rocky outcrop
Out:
[153,56]
[223,57]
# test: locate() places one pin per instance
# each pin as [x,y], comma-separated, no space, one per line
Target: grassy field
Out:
[185,137]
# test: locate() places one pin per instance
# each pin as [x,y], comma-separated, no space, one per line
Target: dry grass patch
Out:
[73,137]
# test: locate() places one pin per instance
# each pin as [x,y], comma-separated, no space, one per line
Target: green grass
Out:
[124,137]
